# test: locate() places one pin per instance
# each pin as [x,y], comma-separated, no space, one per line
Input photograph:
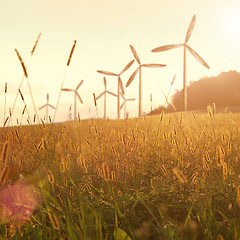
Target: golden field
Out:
[170,176]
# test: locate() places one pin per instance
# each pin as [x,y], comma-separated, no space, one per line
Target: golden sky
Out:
[103,30]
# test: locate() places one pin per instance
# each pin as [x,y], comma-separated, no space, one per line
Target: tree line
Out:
[223,90]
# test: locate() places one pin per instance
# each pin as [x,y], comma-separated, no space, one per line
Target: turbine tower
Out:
[124,104]
[185,47]
[139,69]
[105,96]
[120,84]
[47,105]
[76,94]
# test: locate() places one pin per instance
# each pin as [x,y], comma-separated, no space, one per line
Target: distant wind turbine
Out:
[120,84]
[124,104]
[75,97]
[47,105]
[185,46]
[139,69]
[105,96]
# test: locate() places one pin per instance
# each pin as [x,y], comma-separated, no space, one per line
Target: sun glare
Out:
[233,24]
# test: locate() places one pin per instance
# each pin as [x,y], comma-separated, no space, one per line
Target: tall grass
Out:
[174,176]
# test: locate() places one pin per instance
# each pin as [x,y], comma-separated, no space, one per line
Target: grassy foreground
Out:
[173,176]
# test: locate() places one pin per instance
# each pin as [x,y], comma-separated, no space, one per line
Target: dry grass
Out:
[175,176]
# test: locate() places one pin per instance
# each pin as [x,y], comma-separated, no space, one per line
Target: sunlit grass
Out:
[171,176]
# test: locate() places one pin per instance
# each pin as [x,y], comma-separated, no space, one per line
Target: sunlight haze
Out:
[103,31]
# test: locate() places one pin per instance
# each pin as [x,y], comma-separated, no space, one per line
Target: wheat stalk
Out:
[4,119]
[36,43]
[25,106]
[22,63]
[68,63]
[15,100]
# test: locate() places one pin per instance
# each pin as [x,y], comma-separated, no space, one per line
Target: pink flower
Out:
[17,202]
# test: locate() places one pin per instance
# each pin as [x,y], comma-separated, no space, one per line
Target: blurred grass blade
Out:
[119,234]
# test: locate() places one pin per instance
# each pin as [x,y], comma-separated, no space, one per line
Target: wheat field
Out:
[170,176]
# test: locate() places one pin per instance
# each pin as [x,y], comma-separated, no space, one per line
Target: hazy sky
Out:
[103,31]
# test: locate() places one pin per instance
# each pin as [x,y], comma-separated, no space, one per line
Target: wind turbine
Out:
[139,69]
[120,84]
[47,105]
[125,104]
[105,95]
[75,96]
[185,47]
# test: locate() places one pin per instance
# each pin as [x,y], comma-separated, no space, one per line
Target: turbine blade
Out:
[47,97]
[127,67]
[78,86]
[122,95]
[107,73]
[43,106]
[113,94]
[51,106]
[79,97]
[135,54]
[121,85]
[105,83]
[196,55]
[166,47]
[154,65]
[100,95]
[67,90]
[122,105]
[190,28]
[132,77]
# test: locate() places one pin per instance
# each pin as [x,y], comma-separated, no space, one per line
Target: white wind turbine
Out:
[139,69]
[47,105]
[75,97]
[124,104]
[105,96]
[185,46]
[120,84]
